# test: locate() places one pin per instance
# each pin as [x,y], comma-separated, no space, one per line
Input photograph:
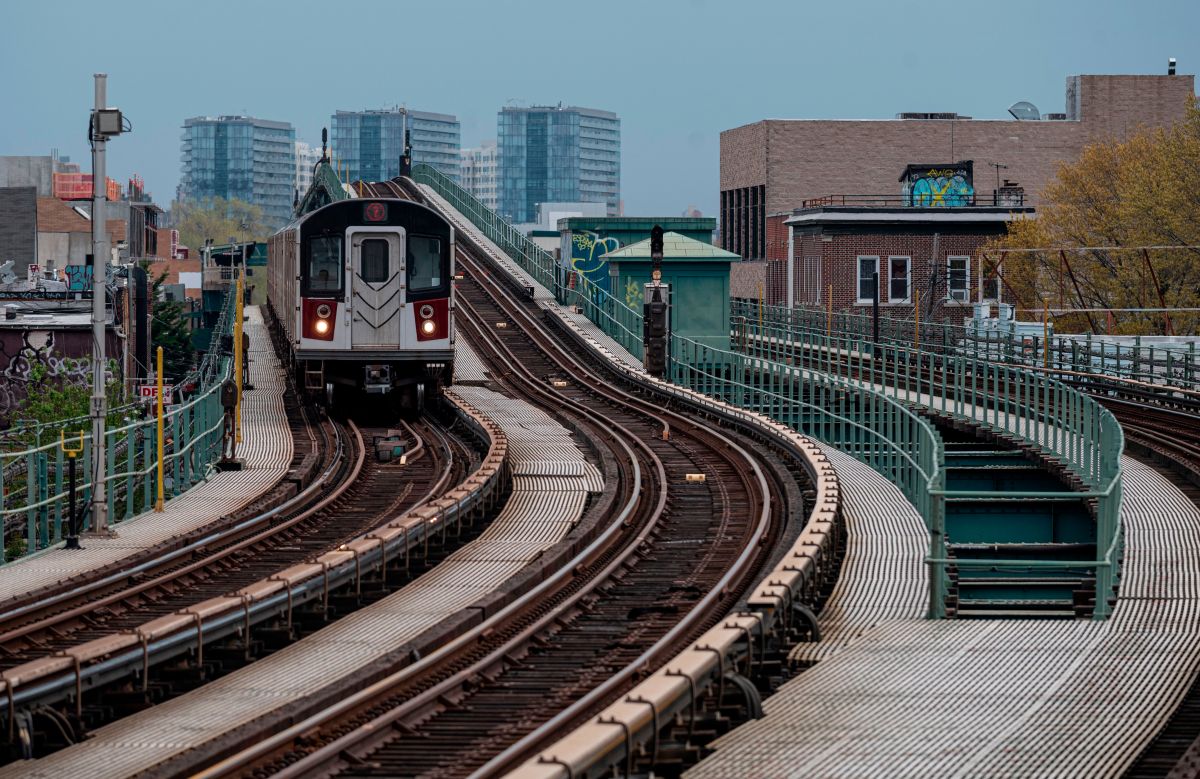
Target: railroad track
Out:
[677,557]
[355,494]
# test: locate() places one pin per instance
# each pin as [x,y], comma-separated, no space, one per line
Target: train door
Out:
[376,287]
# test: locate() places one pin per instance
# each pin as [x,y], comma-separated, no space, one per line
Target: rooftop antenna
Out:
[1170,66]
[998,166]
[324,141]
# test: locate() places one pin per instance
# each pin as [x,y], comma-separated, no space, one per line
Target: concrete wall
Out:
[58,250]
[18,227]
[28,172]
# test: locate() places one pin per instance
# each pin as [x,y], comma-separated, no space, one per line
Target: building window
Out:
[899,282]
[812,279]
[958,279]
[868,269]
[373,261]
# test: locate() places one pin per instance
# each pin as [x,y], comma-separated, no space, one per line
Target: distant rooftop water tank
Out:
[1024,110]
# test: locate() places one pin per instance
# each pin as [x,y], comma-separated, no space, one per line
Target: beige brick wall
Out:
[744,156]
[747,279]
[799,159]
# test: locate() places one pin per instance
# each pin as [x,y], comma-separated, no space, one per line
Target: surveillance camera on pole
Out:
[105,123]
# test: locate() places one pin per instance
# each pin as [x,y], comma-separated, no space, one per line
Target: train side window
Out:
[325,263]
[373,260]
[424,262]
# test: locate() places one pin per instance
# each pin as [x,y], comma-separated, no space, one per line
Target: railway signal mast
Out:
[105,123]
[656,311]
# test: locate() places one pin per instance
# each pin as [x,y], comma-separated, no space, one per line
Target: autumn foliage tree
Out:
[1088,246]
[218,219]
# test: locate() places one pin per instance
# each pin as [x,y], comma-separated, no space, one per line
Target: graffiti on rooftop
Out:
[939,186]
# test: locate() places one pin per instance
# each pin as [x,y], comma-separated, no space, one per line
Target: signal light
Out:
[324,311]
[426,311]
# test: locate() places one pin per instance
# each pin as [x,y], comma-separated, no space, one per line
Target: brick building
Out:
[771,167]
[931,255]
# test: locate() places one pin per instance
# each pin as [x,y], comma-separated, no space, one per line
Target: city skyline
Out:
[673,105]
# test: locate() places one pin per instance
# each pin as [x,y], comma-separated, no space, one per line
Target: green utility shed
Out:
[698,273]
[587,240]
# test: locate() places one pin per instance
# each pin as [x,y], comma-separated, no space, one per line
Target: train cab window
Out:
[373,260]
[325,263]
[424,262]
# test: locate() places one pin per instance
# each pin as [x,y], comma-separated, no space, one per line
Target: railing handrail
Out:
[1162,365]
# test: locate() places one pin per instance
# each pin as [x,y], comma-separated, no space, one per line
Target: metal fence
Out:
[1060,421]
[1076,358]
[34,485]
[533,259]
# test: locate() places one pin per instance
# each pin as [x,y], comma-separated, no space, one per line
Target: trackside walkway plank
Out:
[1000,697]
[882,574]
[266,450]
[543,508]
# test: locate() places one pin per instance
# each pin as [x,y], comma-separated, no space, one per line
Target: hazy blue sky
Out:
[677,73]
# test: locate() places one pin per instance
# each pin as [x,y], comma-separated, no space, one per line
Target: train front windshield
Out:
[325,263]
[424,262]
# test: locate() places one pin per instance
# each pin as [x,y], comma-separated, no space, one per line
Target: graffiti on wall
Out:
[588,251]
[79,277]
[22,350]
[940,186]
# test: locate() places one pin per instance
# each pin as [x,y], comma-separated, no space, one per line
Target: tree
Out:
[59,398]
[218,219]
[170,330]
[1092,226]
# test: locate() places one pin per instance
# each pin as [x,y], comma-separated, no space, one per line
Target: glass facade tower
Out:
[240,157]
[556,154]
[369,143]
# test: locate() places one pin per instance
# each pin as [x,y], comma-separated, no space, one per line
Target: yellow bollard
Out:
[829,315]
[158,503]
[238,357]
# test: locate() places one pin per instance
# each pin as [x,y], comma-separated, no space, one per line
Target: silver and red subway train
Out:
[363,291]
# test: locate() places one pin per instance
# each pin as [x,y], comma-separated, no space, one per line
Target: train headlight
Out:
[428,326]
[321,326]
[324,311]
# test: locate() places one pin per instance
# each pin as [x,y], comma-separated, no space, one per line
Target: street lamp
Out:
[105,123]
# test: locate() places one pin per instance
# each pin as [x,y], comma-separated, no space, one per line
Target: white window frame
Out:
[966,298]
[907,278]
[858,278]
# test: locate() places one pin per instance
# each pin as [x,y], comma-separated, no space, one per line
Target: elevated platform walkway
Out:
[914,697]
[551,482]
[543,297]
[267,454]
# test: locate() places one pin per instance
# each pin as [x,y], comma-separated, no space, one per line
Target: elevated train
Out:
[363,291]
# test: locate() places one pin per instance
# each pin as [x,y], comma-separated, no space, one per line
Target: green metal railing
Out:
[34,486]
[868,425]
[1074,357]
[533,259]
[1059,420]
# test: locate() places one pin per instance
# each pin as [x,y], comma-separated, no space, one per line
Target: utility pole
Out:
[105,123]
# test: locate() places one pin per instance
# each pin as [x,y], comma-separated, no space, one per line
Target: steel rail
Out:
[196,546]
